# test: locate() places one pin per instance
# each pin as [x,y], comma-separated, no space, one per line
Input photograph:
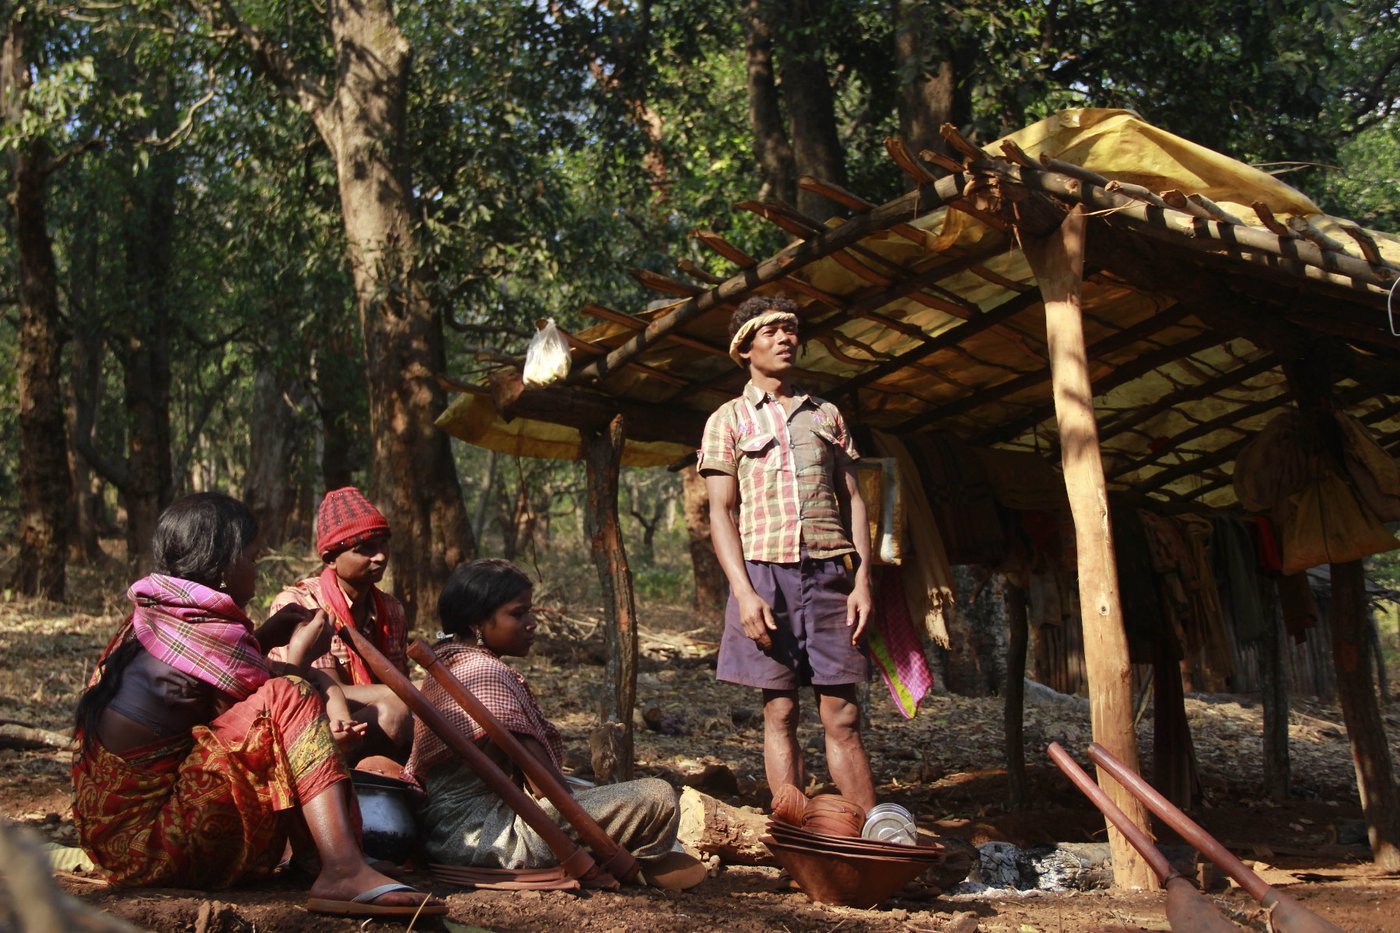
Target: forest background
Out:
[245,237]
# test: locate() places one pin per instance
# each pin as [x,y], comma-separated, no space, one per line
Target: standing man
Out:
[786,517]
[352,537]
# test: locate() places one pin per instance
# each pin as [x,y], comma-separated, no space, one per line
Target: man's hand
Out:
[858,606]
[756,616]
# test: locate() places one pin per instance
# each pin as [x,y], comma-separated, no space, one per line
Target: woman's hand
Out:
[310,640]
[280,626]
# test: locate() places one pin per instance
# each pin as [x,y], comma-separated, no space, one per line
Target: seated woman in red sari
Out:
[195,759]
[485,608]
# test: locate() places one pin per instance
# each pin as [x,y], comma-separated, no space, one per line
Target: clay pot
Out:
[833,815]
[789,804]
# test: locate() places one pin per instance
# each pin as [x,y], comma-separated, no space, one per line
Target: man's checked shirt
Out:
[786,470]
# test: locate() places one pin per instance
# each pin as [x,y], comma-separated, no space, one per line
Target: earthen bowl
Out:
[846,879]
[806,839]
[833,815]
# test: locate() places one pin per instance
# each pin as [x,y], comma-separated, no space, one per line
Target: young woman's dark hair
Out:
[200,536]
[475,590]
[197,538]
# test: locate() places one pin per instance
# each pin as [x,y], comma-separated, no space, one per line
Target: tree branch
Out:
[285,72]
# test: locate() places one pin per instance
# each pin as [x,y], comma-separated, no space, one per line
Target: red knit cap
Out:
[344,519]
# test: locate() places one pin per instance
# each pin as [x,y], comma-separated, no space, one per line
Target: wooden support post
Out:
[1017,612]
[1273,684]
[1058,263]
[1351,651]
[1173,754]
[1311,379]
[603,455]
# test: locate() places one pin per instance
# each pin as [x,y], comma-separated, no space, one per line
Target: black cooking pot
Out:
[386,813]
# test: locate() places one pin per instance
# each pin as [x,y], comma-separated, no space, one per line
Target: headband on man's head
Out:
[748,328]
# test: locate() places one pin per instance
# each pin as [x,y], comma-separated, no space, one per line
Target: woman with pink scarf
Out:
[197,759]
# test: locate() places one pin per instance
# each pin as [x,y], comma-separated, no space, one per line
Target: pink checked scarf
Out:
[199,631]
[895,645]
[500,689]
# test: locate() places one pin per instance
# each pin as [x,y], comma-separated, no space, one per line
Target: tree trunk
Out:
[1058,263]
[44,480]
[603,453]
[771,149]
[1351,651]
[710,592]
[86,513]
[148,245]
[928,87]
[361,120]
[267,487]
[811,106]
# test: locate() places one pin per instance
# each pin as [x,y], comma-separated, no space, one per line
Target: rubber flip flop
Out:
[363,904]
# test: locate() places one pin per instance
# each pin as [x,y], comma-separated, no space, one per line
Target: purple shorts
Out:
[812,645]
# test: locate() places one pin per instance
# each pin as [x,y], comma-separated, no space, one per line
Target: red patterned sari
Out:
[202,810]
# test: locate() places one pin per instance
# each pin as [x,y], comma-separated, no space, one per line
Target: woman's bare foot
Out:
[335,886]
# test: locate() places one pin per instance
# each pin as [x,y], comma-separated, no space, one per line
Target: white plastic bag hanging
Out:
[547,359]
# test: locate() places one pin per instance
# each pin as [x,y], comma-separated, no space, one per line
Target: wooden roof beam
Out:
[801,225]
[722,247]
[1205,427]
[635,323]
[1227,380]
[1220,455]
[975,325]
[902,209]
[1040,375]
[1213,301]
[1183,229]
[576,407]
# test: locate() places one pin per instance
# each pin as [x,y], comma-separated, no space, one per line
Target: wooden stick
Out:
[615,859]
[572,858]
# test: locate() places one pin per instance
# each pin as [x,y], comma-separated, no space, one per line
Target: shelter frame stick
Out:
[1058,263]
[603,453]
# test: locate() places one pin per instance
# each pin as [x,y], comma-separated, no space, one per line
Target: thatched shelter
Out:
[1091,294]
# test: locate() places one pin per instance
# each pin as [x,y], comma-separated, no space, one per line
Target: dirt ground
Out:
[943,766]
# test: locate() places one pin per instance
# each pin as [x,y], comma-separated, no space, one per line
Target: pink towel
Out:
[895,645]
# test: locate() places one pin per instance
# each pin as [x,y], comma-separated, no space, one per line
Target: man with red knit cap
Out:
[351,537]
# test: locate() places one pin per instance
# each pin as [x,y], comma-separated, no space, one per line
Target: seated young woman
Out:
[485,611]
[196,759]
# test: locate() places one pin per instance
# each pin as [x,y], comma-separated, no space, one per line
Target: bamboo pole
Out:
[575,861]
[1058,263]
[616,860]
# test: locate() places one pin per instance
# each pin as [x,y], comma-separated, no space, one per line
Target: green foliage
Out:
[550,148]
[1365,185]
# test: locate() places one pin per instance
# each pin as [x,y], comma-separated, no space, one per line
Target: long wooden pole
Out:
[575,861]
[603,452]
[616,860]
[1058,263]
